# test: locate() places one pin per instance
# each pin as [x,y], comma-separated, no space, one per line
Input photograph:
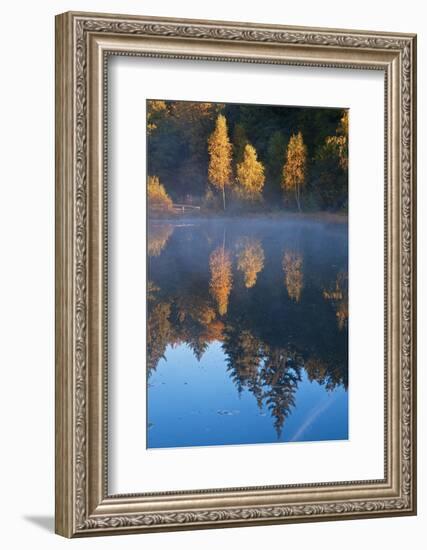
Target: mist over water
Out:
[247,331]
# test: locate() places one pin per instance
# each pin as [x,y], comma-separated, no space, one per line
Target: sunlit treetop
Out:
[250,174]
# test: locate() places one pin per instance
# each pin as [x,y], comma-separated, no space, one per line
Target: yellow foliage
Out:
[197,309]
[295,168]
[221,278]
[250,260]
[214,331]
[338,295]
[158,236]
[292,266]
[154,106]
[339,142]
[342,314]
[220,152]
[158,199]
[250,173]
[334,294]
[343,128]
[152,288]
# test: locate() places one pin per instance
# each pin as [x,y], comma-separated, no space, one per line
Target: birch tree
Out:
[220,155]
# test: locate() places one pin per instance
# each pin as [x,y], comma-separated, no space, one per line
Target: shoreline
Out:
[326,217]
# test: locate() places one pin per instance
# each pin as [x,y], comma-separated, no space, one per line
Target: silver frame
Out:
[83,43]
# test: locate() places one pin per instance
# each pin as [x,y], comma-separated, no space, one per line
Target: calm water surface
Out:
[247,332]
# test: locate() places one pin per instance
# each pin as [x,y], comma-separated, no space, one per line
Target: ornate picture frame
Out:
[84,42]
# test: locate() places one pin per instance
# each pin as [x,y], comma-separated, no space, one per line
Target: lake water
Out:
[247,332]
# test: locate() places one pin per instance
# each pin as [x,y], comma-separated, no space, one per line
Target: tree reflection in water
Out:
[250,260]
[270,333]
[281,374]
[221,278]
[292,266]
[158,236]
[338,296]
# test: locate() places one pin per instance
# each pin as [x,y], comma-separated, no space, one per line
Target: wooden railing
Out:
[185,208]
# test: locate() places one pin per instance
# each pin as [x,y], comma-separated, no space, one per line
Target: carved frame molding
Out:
[83,43]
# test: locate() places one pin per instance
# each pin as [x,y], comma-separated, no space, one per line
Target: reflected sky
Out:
[193,404]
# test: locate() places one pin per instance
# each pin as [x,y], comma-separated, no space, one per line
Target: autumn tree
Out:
[177,150]
[250,174]
[328,373]
[292,267]
[221,278]
[244,358]
[338,296]
[295,168]
[158,237]
[194,319]
[330,171]
[281,375]
[159,328]
[250,260]
[338,144]
[340,141]
[155,109]
[220,155]
[158,199]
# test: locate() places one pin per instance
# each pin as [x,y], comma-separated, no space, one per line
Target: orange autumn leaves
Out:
[292,267]
[250,173]
[158,237]
[158,199]
[250,176]
[295,168]
[197,324]
[338,296]
[339,143]
[220,155]
[250,261]
[201,319]
[221,278]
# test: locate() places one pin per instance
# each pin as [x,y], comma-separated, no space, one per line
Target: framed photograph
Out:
[235,274]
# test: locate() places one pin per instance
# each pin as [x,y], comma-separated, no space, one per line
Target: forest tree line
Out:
[232,157]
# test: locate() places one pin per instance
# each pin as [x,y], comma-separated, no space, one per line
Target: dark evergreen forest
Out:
[257,158]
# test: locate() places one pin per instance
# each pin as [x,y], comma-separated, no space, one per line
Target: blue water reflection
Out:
[247,332]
